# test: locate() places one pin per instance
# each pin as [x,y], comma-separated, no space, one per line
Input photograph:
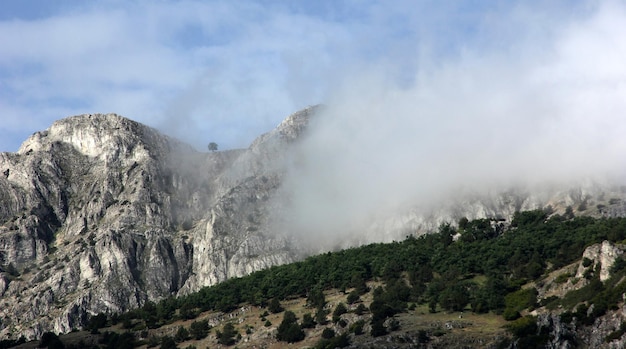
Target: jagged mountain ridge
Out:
[100,213]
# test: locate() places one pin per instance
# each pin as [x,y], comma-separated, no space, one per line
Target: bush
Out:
[340,341]
[353,297]
[316,298]
[153,341]
[523,327]
[97,322]
[47,338]
[308,321]
[526,218]
[511,314]
[320,316]
[518,301]
[618,265]
[275,306]
[562,278]
[125,340]
[168,342]
[289,330]
[339,310]
[378,328]
[199,329]
[12,270]
[454,298]
[182,334]
[228,336]
[360,309]
[328,333]
[526,330]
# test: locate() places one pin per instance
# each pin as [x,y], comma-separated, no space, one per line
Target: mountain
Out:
[99,214]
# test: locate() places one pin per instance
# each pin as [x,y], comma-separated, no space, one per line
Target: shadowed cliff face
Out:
[100,214]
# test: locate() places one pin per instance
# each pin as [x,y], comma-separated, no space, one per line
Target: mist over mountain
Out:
[538,114]
[101,213]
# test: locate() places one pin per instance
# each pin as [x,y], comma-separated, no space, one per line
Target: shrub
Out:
[378,328]
[182,334]
[308,321]
[47,339]
[275,306]
[357,327]
[339,310]
[523,327]
[199,329]
[518,301]
[340,341]
[289,330]
[168,342]
[360,309]
[228,336]
[328,333]
[353,297]
[562,278]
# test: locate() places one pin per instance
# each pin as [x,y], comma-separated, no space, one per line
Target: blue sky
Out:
[227,71]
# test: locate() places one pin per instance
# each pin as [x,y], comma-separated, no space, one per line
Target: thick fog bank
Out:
[539,114]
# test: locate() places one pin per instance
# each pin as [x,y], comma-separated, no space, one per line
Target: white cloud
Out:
[423,96]
[228,71]
[545,106]
[238,67]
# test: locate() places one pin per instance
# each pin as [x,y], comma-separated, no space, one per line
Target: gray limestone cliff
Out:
[601,333]
[100,213]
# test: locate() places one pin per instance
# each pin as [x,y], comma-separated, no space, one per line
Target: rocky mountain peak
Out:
[106,136]
[99,214]
[288,130]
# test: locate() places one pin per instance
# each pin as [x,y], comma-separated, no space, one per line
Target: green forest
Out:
[477,266]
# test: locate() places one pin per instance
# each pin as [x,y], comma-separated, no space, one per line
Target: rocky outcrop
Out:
[605,331]
[600,257]
[99,214]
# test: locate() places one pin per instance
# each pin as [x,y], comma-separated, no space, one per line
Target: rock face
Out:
[100,214]
[600,256]
[596,258]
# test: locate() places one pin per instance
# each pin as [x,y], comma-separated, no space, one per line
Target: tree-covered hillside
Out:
[478,266]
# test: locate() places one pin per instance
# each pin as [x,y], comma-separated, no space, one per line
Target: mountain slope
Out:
[99,214]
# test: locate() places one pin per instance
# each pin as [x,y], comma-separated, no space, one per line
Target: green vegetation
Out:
[482,271]
[333,341]
[339,310]
[518,301]
[275,306]
[227,336]
[199,329]
[308,321]
[289,330]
